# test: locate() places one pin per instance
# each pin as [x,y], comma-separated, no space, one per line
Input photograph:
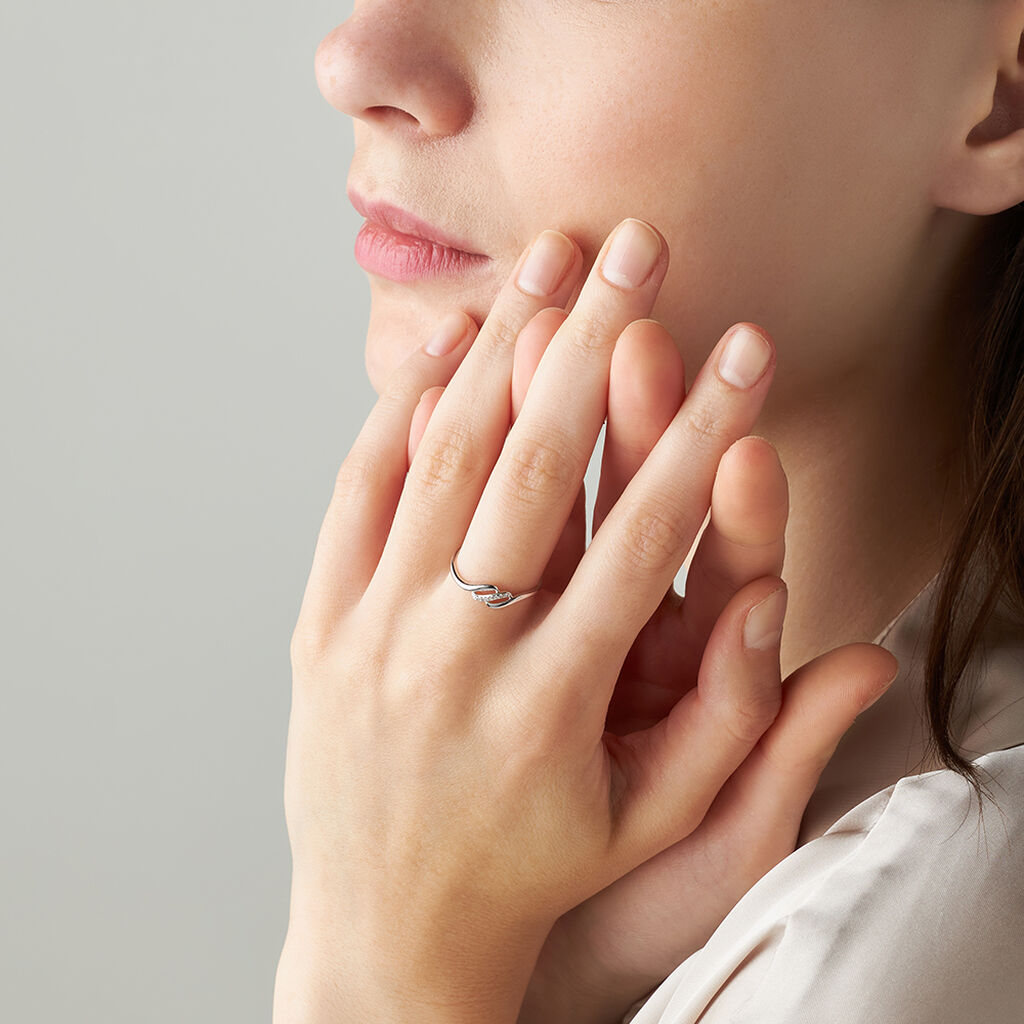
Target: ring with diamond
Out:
[488,593]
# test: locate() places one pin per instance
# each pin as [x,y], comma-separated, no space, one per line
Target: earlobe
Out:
[985,172]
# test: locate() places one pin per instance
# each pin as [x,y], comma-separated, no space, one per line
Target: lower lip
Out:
[398,257]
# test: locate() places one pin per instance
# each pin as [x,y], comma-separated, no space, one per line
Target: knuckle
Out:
[748,719]
[654,539]
[308,647]
[503,333]
[590,332]
[448,457]
[705,429]
[403,387]
[535,467]
[361,471]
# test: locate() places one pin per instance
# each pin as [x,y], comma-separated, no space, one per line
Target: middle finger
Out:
[529,496]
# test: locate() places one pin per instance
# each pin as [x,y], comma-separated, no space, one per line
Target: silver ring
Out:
[488,593]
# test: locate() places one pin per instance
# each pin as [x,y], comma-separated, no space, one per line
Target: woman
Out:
[525,779]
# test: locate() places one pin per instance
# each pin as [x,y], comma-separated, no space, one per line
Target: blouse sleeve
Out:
[910,910]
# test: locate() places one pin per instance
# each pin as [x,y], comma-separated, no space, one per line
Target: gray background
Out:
[182,328]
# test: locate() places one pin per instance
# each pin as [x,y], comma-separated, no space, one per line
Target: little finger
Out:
[368,484]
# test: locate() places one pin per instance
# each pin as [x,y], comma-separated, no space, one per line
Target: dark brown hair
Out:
[985,562]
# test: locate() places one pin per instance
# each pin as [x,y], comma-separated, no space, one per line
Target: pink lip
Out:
[404,223]
[405,258]
[396,245]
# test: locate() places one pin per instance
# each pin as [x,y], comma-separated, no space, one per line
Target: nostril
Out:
[387,115]
[385,110]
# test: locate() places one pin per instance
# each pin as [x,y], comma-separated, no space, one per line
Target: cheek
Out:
[666,138]
[758,138]
[650,122]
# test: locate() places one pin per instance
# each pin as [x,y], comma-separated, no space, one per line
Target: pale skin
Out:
[825,200]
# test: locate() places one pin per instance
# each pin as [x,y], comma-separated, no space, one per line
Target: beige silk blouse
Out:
[902,904]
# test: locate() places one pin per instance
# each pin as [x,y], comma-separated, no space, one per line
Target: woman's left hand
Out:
[451,789]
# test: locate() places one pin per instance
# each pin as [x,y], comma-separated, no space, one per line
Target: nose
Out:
[393,64]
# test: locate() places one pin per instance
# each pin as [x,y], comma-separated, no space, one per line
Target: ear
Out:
[983,173]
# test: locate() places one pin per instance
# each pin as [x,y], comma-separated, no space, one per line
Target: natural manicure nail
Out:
[546,264]
[632,255]
[745,358]
[445,339]
[762,629]
[884,690]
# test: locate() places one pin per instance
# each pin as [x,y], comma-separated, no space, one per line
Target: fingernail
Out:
[745,358]
[632,255]
[884,690]
[450,331]
[546,264]
[762,629]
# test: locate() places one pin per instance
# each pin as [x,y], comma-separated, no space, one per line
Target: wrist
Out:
[314,986]
[572,985]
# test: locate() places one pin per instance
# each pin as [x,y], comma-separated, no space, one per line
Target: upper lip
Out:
[406,223]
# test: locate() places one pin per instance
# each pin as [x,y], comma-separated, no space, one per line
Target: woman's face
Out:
[785,148]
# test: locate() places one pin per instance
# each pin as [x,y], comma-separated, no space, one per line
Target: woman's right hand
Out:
[611,950]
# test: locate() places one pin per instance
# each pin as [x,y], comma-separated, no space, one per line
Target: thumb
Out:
[820,702]
[742,731]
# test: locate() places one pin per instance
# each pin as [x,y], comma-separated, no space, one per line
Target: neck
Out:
[875,465]
[874,496]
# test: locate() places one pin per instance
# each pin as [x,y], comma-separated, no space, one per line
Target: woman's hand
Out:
[603,955]
[451,787]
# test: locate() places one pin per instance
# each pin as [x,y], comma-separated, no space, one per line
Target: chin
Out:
[401,320]
[380,361]
[394,332]
[403,316]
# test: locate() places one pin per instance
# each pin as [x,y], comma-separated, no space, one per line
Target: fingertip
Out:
[647,382]
[750,493]
[650,344]
[754,454]
[888,672]
[450,333]
[882,661]
[544,323]
[530,346]
[757,329]
[421,417]
[762,625]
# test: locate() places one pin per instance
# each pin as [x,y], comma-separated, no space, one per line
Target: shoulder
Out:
[908,909]
[920,920]
[916,811]
[936,821]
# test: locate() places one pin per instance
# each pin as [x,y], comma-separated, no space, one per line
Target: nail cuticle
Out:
[632,255]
